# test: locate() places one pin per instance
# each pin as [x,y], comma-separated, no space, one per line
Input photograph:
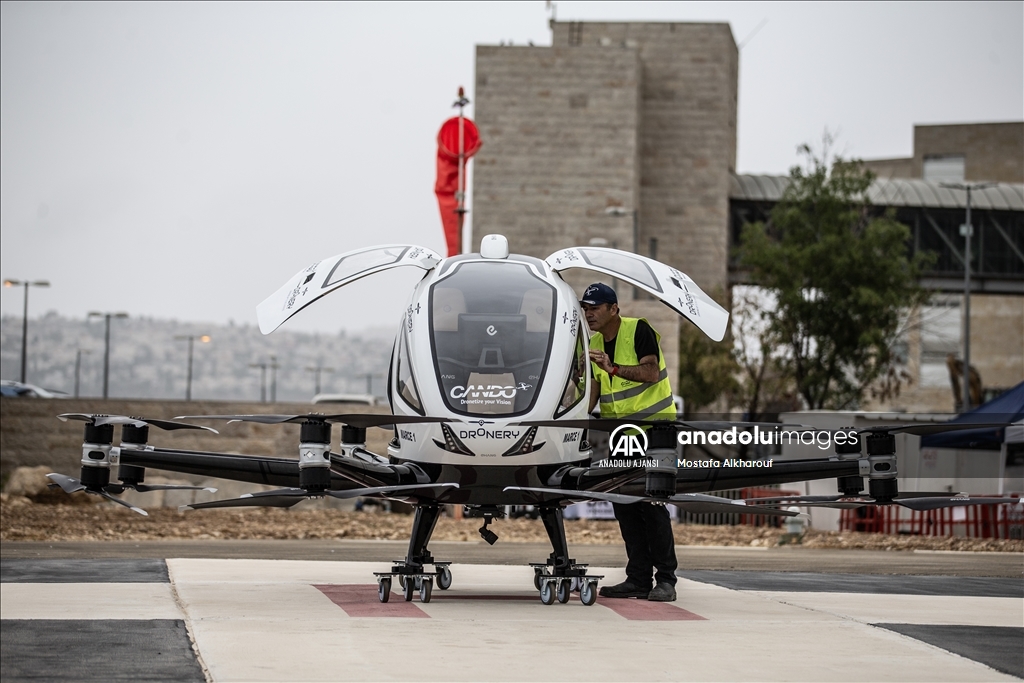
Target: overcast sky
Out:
[182,160]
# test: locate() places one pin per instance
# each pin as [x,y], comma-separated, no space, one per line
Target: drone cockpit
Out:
[491,329]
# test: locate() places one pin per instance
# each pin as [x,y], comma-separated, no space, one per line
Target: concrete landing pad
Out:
[308,620]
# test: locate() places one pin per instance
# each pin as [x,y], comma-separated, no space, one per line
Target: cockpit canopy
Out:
[491,328]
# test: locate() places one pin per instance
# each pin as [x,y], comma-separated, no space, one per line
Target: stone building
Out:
[971,152]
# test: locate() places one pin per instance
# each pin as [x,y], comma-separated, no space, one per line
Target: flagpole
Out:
[460,196]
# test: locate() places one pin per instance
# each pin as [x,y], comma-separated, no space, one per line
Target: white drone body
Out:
[491,340]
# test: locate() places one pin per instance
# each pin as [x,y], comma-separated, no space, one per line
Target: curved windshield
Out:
[491,326]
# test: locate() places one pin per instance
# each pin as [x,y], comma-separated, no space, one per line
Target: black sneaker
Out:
[626,589]
[663,592]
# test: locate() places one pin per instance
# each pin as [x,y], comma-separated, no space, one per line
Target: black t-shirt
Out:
[644,341]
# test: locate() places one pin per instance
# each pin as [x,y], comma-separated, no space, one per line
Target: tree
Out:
[707,369]
[763,386]
[841,277]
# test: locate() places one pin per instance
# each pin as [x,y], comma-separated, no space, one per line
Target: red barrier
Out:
[972,521]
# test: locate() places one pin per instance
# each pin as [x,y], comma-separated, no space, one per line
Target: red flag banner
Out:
[447,184]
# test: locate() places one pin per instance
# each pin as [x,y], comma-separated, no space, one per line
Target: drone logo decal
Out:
[491,331]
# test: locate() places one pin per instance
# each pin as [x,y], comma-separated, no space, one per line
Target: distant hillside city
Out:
[146,361]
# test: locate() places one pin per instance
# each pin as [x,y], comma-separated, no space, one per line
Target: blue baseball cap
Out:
[599,293]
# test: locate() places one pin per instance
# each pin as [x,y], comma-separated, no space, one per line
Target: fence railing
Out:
[972,521]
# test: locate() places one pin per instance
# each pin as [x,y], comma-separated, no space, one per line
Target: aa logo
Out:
[628,441]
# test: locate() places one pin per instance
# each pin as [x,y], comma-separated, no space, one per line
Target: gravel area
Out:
[21,519]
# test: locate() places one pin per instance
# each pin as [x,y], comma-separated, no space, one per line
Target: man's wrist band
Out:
[615,371]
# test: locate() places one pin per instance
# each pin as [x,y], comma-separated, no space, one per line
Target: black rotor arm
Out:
[248,468]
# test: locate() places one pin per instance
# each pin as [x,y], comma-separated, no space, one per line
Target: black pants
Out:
[650,545]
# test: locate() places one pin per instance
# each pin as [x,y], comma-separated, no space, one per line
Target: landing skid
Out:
[559,587]
[555,579]
[411,576]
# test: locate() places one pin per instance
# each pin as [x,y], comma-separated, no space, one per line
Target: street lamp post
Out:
[24,318]
[317,370]
[967,230]
[263,380]
[106,346]
[273,379]
[204,338]
[369,381]
[78,367]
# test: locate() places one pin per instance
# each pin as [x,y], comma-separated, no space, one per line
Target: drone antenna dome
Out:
[494,246]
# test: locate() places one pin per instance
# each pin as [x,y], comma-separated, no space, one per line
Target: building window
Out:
[946,168]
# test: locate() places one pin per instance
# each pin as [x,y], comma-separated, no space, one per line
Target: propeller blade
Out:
[171,426]
[363,420]
[608,424]
[384,490]
[278,498]
[732,507]
[936,503]
[117,500]
[691,502]
[122,420]
[291,496]
[925,430]
[68,484]
[794,500]
[620,498]
[143,488]
[836,502]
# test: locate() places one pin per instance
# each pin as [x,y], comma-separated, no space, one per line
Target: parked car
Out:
[14,389]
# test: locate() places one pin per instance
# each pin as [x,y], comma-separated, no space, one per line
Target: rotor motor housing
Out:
[315,455]
[96,455]
[849,486]
[133,437]
[882,462]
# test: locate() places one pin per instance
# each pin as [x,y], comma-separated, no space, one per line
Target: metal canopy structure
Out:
[934,215]
[894,192]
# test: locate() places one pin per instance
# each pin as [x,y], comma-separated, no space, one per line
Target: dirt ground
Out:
[21,519]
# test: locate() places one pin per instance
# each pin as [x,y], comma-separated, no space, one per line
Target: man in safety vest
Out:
[631,380]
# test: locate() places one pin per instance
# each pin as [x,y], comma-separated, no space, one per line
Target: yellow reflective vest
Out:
[621,398]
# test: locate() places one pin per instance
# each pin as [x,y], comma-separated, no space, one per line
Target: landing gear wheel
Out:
[425,588]
[407,590]
[537,573]
[588,594]
[384,589]
[547,593]
[401,580]
[444,578]
[563,592]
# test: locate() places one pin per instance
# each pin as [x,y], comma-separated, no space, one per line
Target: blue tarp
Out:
[1007,407]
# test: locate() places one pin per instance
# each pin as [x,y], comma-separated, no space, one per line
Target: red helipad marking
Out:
[642,610]
[361,601]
